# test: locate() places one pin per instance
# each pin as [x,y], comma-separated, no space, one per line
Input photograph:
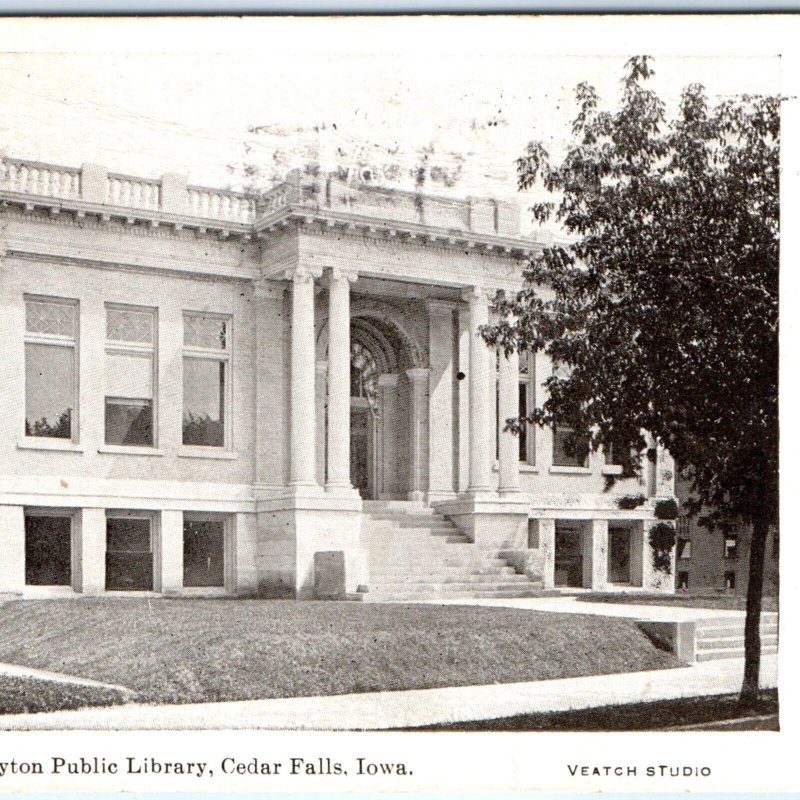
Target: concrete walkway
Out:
[383,710]
[569,604]
[58,677]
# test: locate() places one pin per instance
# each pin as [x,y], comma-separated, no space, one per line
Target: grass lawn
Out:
[31,695]
[180,651]
[704,712]
[712,599]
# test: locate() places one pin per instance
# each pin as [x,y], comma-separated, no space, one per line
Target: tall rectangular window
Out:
[206,364]
[129,376]
[568,449]
[51,331]
[129,552]
[527,402]
[730,546]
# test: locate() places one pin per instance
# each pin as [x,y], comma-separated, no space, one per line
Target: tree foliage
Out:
[665,305]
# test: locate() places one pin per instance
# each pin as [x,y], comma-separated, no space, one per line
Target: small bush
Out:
[662,540]
[666,509]
[630,501]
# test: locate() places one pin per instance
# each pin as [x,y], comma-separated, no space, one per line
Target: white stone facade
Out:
[254,309]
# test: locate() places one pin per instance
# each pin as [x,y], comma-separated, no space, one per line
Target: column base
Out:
[341,490]
[304,490]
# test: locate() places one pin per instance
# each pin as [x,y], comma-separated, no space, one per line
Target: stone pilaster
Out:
[387,462]
[12,548]
[171,566]
[440,400]
[508,397]
[302,416]
[595,555]
[418,378]
[92,551]
[339,381]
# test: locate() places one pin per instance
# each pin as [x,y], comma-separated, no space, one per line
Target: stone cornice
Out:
[323,220]
[116,264]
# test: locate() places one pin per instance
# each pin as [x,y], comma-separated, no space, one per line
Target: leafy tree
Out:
[665,305]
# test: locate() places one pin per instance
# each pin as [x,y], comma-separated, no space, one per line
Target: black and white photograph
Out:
[412,375]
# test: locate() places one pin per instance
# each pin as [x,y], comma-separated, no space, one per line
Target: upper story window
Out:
[206,380]
[51,345]
[527,402]
[130,376]
[730,546]
[569,450]
[615,453]
[684,547]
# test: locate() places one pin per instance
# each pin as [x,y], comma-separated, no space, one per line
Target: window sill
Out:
[61,445]
[611,469]
[556,470]
[125,450]
[207,452]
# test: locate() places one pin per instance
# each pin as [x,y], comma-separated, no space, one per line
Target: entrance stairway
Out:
[413,553]
[724,638]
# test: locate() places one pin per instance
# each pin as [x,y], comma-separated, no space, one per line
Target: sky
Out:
[209,97]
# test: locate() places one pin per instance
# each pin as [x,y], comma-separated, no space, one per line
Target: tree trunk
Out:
[752,623]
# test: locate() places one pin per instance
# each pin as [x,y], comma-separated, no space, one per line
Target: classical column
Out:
[418,378]
[302,416]
[440,401]
[320,401]
[339,380]
[387,463]
[481,416]
[508,403]
[463,398]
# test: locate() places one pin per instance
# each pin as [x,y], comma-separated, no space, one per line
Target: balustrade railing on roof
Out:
[45,180]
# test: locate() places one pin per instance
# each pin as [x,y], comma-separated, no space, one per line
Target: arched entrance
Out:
[364,419]
[383,347]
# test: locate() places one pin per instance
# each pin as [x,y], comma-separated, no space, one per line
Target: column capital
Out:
[418,374]
[339,274]
[302,274]
[264,288]
[475,294]
[388,379]
[440,307]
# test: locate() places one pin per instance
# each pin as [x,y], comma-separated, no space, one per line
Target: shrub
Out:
[662,540]
[666,509]
[630,501]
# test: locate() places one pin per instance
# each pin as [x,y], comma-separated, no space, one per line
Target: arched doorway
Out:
[364,413]
[383,346]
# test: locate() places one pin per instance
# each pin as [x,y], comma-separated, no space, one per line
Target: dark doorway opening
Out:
[619,555]
[569,556]
[360,419]
[129,554]
[48,550]
[203,553]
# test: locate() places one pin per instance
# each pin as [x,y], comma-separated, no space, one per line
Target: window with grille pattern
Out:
[130,376]
[206,383]
[50,368]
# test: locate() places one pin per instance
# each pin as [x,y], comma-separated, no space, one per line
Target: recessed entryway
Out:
[203,553]
[48,549]
[129,552]
[619,554]
[569,554]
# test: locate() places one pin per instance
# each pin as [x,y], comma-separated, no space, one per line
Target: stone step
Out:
[406,521]
[437,579]
[732,630]
[403,506]
[724,642]
[387,571]
[417,594]
[732,652]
